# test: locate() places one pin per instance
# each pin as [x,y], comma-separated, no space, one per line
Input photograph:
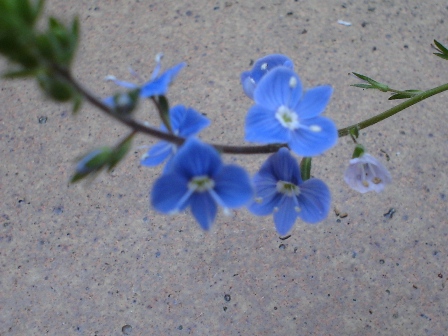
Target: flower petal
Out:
[250,79]
[195,158]
[283,167]
[248,84]
[314,137]
[267,198]
[167,193]
[187,121]
[232,184]
[275,89]
[286,215]
[314,201]
[313,102]
[203,208]
[366,173]
[159,86]
[262,126]
[157,154]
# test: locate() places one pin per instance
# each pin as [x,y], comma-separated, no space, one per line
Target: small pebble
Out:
[127,329]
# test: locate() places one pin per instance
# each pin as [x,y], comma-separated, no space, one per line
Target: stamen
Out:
[315,128]
[292,82]
[159,57]
[156,71]
[264,66]
[297,209]
[377,180]
[258,199]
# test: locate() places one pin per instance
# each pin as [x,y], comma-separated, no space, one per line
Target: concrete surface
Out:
[94,259]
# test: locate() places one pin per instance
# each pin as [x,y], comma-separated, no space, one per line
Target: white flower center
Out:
[287,117]
[201,183]
[287,188]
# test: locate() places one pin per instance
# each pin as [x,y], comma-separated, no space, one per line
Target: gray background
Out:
[90,258]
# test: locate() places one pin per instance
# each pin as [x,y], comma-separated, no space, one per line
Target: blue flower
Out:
[365,173]
[198,179]
[156,86]
[284,114]
[184,122]
[280,190]
[250,79]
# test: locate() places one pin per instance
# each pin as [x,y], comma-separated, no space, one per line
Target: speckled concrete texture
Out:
[94,259]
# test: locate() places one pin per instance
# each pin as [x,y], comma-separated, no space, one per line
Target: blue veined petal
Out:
[195,158]
[248,84]
[187,121]
[170,193]
[313,102]
[233,187]
[314,137]
[275,90]
[203,208]
[159,86]
[266,195]
[283,166]
[314,201]
[157,154]
[262,126]
[286,215]
[250,79]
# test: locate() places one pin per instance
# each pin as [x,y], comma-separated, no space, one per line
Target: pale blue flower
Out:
[250,79]
[279,189]
[284,114]
[198,179]
[185,122]
[365,173]
[156,86]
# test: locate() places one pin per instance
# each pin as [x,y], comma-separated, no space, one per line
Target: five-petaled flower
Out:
[185,122]
[365,173]
[280,190]
[156,86]
[250,79]
[284,114]
[197,178]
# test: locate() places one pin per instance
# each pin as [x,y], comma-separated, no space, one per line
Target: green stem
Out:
[394,110]
[271,148]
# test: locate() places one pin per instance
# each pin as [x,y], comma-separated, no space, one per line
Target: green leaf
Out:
[376,85]
[359,151]
[21,73]
[26,12]
[443,50]
[77,102]
[164,112]
[91,163]
[59,90]
[120,152]
[354,132]
[405,94]
[305,168]
[363,86]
